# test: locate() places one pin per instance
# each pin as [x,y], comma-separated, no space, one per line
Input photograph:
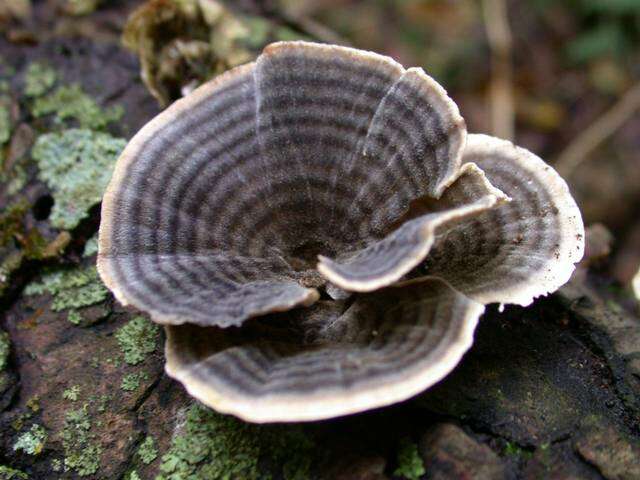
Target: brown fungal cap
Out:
[521,249]
[386,347]
[323,168]
[232,192]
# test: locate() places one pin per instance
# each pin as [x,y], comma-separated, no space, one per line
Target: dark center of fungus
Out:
[304,256]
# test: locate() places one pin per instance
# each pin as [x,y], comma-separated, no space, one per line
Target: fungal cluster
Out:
[319,234]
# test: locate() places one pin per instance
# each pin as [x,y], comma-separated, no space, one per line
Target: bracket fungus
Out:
[319,235]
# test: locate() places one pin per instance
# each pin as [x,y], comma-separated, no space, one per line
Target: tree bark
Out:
[548,391]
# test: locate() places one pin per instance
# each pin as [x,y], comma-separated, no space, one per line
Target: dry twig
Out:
[501,94]
[316,30]
[605,126]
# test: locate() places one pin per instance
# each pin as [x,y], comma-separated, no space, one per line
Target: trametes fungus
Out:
[319,235]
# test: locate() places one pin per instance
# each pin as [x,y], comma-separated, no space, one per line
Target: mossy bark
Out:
[552,390]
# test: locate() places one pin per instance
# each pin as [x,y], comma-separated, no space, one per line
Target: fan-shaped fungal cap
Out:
[521,249]
[221,206]
[387,346]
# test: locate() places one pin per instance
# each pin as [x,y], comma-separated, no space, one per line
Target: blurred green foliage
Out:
[606,28]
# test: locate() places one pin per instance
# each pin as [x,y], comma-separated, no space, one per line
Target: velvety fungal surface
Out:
[319,235]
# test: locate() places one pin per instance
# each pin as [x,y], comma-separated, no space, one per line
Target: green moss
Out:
[147,450]
[515,451]
[410,464]
[5,347]
[76,164]
[290,447]
[81,453]
[71,393]
[38,80]
[33,404]
[31,442]
[18,422]
[80,287]
[11,222]
[131,381]
[133,476]
[212,446]
[70,102]
[8,473]
[13,231]
[137,339]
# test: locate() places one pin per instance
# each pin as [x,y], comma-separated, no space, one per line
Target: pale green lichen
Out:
[38,80]
[81,453]
[31,442]
[5,124]
[91,247]
[72,393]
[13,171]
[16,180]
[131,381]
[134,476]
[56,465]
[5,68]
[5,346]
[212,446]
[76,164]
[410,465]
[8,473]
[81,7]
[137,339]
[88,294]
[75,317]
[102,402]
[70,102]
[147,450]
[80,287]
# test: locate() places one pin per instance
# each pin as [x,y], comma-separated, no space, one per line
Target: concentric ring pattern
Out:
[323,171]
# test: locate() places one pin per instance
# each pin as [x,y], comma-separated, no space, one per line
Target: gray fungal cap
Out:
[324,169]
